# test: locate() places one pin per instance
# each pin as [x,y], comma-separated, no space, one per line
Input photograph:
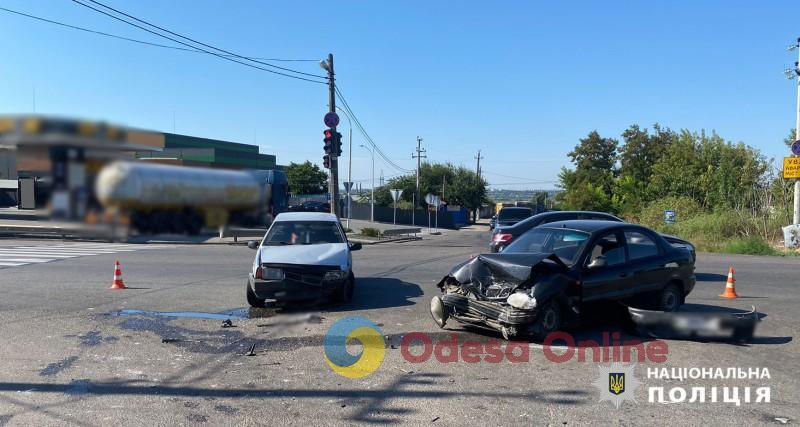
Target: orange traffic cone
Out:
[118,283]
[730,288]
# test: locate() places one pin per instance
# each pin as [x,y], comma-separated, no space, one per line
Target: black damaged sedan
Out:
[548,275]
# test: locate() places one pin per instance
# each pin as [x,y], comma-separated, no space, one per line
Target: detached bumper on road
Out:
[700,326]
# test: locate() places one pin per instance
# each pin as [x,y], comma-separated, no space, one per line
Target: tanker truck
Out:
[156,198]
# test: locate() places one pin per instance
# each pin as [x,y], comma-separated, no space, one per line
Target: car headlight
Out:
[521,301]
[335,275]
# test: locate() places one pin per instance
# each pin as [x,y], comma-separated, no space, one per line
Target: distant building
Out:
[194,151]
[53,158]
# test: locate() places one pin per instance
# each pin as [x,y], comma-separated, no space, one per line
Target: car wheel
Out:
[670,299]
[346,292]
[548,320]
[252,299]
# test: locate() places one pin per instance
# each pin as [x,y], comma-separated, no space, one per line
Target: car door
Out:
[609,281]
[650,271]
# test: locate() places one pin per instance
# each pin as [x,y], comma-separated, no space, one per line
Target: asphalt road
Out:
[70,355]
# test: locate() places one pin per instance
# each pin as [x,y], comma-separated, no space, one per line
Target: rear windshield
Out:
[303,233]
[514,213]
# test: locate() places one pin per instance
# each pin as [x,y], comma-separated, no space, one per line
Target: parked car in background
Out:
[547,276]
[503,236]
[512,215]
[303,256]
[311,206]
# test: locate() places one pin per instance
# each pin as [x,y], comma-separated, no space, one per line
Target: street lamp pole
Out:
[795,74]
[349,163]
[372,198]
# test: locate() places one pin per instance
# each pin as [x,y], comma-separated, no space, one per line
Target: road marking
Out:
[16,256]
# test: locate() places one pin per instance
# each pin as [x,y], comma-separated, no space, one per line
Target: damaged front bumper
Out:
[738,327]
[507,320]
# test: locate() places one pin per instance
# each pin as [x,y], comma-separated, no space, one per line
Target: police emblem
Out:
[617,383]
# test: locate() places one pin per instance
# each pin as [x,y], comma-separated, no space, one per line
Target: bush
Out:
[371,232]
[750,246]
[653,215]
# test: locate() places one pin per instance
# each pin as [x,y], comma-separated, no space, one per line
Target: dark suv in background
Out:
[510,216]
[503,236]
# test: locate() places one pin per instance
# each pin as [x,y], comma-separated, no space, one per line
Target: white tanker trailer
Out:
[159,198]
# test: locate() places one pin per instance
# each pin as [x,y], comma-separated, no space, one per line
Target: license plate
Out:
[273,274]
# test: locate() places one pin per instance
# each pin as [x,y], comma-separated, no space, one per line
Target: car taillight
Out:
[259,273]
[502,237]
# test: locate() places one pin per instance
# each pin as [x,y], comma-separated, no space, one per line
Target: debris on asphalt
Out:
[434,419]
[251,351]
[227,323]
[782,420]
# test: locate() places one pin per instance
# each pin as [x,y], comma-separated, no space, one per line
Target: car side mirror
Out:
[252,244]
[598,262]
[355,246]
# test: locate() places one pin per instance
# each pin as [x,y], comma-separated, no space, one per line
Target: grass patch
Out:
[371,232]
[750,246]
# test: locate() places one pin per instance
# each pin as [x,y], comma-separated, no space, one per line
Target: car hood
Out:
[515,267]
[323,254]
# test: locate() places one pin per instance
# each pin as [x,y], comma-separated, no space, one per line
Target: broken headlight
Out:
[522,301]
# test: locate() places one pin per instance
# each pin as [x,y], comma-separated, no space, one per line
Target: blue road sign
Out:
[328,196]
[331,120]
[796,148]
[669,216]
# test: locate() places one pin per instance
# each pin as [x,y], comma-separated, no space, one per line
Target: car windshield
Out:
[566,244]
[514,214]
[303,233]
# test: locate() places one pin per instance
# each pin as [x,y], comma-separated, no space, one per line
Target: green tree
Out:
[589,186]
[306,178]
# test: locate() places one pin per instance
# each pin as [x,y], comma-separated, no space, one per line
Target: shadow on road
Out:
[376,405]
[380,292]
[710,277]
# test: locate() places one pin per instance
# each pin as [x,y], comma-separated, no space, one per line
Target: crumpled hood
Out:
[516,267]
[324,254]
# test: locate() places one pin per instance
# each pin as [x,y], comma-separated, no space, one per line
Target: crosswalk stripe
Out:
[12,264]
[28,260]
[95,251]
[39,254]
[15,256]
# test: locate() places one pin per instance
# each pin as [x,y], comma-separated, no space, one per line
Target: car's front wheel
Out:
[670,298]
[252,299]
[548,320]
[345,294]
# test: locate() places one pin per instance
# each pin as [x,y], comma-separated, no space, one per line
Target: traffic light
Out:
[337,143]
[328,142]
[333,142]
[326,161]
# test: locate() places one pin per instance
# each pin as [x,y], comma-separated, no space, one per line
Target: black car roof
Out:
[588,225]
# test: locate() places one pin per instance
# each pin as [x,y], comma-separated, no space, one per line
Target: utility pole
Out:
[419,158]
[478,168]
[795,74]
[333,181]
[477,172]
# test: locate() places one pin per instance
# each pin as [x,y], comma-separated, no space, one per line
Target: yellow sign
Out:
[791,168]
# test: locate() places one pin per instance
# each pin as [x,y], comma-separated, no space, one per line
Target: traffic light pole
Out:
[333,181]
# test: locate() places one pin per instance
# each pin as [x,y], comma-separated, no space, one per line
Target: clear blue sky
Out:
[522,80]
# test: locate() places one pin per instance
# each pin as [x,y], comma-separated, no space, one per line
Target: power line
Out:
[201,43]
[194,47]
[366,136]
[101,33]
